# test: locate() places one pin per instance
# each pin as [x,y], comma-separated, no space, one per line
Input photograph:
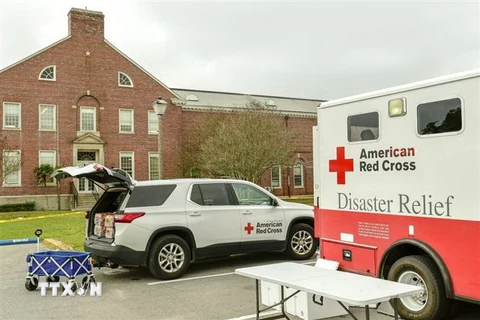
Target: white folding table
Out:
[343,287]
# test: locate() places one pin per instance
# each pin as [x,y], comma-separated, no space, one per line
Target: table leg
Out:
[367,312]
[257,298]
[395,309]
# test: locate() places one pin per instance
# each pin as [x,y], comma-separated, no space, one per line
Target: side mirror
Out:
[274,202]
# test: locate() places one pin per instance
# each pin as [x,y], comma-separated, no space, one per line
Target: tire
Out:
[169,257]
[31,284]
[421,271]
[301,242]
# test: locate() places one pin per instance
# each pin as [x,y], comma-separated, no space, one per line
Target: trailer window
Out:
[439,116]
[363,127]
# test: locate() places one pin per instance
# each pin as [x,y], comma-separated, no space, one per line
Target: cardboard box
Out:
[99,219]
[109,220]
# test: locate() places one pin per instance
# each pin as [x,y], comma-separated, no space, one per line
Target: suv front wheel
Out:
[169,257]
[301,242]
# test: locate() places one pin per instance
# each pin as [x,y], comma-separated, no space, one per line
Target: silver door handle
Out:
[247,212]
[194,214]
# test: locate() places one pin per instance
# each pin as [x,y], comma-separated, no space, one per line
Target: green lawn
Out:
[300,199]
[65,226]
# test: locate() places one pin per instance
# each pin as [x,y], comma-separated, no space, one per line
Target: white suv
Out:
[167,224]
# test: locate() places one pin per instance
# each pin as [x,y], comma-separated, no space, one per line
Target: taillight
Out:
[127,217]
[87,214]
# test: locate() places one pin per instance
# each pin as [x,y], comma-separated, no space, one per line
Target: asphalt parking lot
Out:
[209,291]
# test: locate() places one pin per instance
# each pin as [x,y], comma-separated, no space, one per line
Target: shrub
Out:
[14,207]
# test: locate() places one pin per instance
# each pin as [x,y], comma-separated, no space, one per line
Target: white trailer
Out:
[397,188]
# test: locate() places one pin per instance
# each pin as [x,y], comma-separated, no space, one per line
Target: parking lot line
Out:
[194,278]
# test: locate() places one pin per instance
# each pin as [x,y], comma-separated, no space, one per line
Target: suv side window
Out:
[147,196]
[248,195]
[212,194]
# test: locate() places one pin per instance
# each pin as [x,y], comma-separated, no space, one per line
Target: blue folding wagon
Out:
[56,264]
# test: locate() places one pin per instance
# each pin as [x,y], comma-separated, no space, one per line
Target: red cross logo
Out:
[340,165]
[248,228]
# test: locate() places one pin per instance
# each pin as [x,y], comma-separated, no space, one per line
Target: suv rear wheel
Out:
[301,242]
[169,257]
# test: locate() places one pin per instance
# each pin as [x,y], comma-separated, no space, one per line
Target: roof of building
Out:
[201,99]
[191,99]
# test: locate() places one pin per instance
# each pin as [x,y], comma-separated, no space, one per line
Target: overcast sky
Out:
[316,49]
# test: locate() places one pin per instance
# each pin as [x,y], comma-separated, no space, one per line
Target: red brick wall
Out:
[76,73]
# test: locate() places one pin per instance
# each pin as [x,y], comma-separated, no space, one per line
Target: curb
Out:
[57,245]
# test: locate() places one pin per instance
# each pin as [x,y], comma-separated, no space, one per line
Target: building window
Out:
[298,174]
[363,127]
[124,80]
[152,122]
[276,177]
[87,119]
[153,172]
[439,117]
[12,115]
[12,169]
[48,73]
[46,117]
[126,121]
[126,162]
[47,157]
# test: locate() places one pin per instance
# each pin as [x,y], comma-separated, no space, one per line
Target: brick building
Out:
[82,100]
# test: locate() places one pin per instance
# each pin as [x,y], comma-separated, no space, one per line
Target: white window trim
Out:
[54,116]
[133,161]
[156,156]
[124,85]
[54,73]
[279,169]
[19,116]
[54,152]
[94,119]
[302,174]
[131,119]
[19,184]
[148,119]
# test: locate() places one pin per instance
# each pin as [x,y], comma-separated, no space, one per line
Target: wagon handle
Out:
[38,233]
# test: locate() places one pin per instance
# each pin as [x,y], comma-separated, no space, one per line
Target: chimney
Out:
[85,23]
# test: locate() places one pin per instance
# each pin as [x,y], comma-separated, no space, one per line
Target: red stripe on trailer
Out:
[374,233]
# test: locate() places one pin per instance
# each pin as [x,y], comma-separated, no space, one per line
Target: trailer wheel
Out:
[31,284]
[169,257]
[420,271]
[301,242]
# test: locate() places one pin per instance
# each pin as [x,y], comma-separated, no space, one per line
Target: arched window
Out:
[124,80]
[298,174]
[48,73]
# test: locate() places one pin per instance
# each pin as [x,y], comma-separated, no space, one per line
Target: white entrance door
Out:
[83,158]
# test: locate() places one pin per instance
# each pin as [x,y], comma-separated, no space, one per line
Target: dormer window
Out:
[192,97]
[124,80]
[48,74]
[271,103]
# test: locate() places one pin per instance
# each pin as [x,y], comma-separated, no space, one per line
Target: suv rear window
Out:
[147,196]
